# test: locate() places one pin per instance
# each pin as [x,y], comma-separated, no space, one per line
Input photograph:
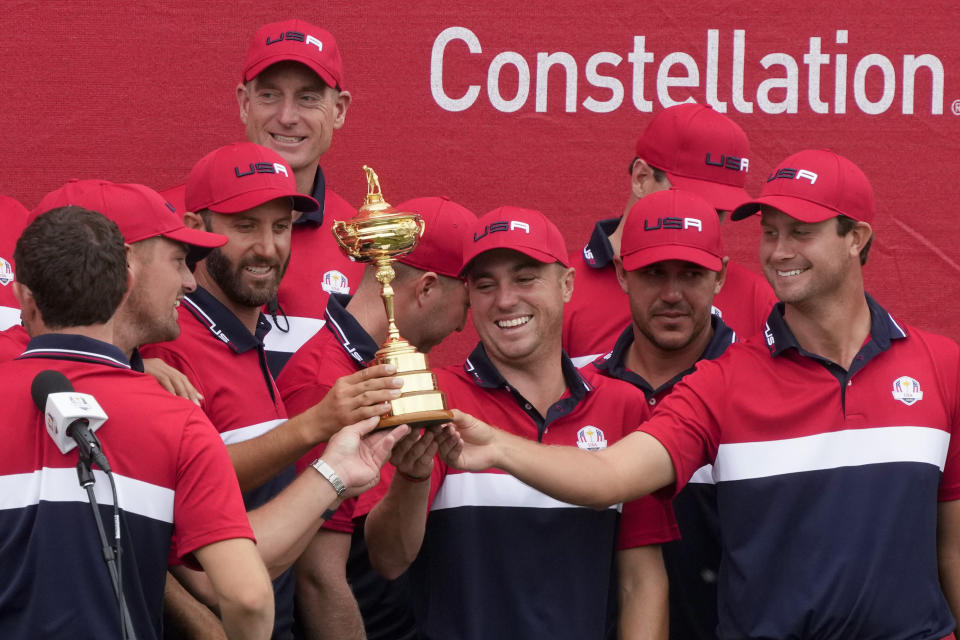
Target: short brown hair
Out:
[75,264]
[845,225]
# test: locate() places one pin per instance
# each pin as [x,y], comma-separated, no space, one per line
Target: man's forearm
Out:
[186,617]
[286,525]
[631,468]
[328,609]
[259,459]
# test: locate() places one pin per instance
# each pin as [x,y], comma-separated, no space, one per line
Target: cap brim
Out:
[723,197]
[796,208]
[650,255]
[257,68]
[257,197]
[536,254]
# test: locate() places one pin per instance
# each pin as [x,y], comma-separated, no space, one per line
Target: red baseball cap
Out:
[812,186]
[241,176]
[701,151]
[524,230]
[139,212]
[446,225]
[671,225]
[298,41]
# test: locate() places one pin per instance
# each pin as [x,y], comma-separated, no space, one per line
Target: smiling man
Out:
[490,557]
[292,100]
[830,437]
[247,193]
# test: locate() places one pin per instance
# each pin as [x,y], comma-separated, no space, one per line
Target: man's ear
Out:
[341,106]
[621,273]
[193,220]
[426,286]
[722,276]
[566,283]
[243,101]
[29,313]
[643,180]
[860,234]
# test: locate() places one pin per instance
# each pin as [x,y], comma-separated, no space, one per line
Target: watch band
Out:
[327,472]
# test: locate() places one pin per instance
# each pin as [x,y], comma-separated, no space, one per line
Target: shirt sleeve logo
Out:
[335,282]
[6,272]
[591,438]
[907,390]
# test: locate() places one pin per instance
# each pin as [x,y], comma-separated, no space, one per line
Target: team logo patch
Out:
[335,282]
[6,272]
[907,390]
[591,438]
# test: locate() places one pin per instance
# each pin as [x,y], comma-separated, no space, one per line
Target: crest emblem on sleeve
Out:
[335,282]
[907,390]
[6,272]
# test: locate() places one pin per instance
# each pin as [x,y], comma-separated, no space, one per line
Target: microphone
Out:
[70,417]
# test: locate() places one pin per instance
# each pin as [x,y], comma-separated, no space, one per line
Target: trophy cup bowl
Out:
[380,234]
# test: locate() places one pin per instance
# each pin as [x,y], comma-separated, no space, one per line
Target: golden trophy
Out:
[379,234]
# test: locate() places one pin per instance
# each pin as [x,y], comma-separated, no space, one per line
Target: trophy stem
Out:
[385,275]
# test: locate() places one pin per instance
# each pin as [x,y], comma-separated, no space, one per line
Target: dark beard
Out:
[229,278]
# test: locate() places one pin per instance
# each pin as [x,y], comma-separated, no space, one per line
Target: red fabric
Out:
[99,93]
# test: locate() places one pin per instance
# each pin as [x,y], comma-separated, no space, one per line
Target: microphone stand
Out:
[111,551]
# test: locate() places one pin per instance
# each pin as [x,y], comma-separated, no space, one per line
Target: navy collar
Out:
[599,252]
[614,363]
[222,322]
[68,346]
[883,329]
[485,375]
[318,193]
[354,339]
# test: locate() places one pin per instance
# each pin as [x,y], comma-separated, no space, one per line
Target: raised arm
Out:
[633,467]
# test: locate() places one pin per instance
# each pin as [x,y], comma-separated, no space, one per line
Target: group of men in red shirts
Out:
[800,484]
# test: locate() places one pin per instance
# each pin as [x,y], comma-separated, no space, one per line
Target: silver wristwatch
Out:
[327,472]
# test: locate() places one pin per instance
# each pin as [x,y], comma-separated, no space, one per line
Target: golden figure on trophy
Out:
[379,234]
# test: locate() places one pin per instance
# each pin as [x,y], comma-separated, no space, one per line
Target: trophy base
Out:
[417,419]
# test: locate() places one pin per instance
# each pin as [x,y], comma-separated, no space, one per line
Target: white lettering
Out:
[814,59]
[910,66]
[744,164]
[809,175]
[840,76]
[604,82]
[639,57]
[665,80]
[493,82]
[544,62]
[713,55]
[440,96]
[692,222]
[860,84]
[315,42]
[776,92]
[279,168]
[739,103]
[516,224]
[788,84]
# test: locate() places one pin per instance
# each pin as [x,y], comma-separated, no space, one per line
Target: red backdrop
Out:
[457,100]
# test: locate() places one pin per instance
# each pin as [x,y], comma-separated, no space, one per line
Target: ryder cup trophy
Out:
[379,234]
